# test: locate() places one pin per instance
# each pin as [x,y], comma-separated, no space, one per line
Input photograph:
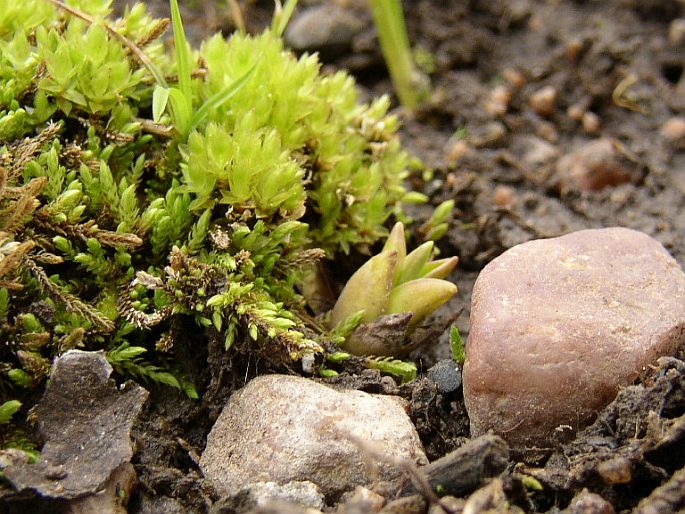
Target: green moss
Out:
[112,223]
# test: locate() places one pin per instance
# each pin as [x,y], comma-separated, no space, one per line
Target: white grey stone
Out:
[559,325]
[283,428]
[324,26]
[302,494]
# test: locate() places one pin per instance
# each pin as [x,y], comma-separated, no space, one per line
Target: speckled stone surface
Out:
[284,428]
[558,325]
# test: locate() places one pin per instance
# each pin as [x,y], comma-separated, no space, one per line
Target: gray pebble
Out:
[446,375]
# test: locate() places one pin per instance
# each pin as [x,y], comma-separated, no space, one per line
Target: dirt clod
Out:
[596,165]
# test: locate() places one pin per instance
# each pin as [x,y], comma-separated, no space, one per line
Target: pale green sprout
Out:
[394,282]
[405,371]
[436,226]
[457,346]
[411,84]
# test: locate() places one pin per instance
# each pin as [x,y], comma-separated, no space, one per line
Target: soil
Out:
[614,59]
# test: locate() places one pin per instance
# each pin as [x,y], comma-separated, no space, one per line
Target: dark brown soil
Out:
[588,51]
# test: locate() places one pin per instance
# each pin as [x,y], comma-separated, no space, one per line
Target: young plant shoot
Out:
[391,294]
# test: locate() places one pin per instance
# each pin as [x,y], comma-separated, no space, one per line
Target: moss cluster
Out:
[112,221]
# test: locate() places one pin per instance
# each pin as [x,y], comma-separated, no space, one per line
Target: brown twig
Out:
[418,479]
[72,303]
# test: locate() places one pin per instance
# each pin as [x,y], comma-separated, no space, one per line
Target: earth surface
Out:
[615,68]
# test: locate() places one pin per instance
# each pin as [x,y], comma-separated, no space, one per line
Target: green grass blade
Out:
[156,73]
[182,52]
[181,111]
[457,345]
[282,17]
[220,98]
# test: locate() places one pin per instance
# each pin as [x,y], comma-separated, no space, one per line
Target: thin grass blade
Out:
[220,98]
[182,52]
[282,17]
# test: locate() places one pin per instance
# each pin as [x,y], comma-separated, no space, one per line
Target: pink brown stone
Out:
[559,325]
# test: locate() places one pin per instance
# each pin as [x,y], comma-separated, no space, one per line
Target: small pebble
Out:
[285,429]
[547,131]
[676,32]
[446,375]
[504,196]
[573,49]
[674,129]
[618,470]
[544,101]
[490,135]
[514,77]
[590,122]
[454,505]
[620,196]
[576,111]
[363,499]
[324,27]
[498,101]
[596,165]
[559,325]
[490,498]
[457,151]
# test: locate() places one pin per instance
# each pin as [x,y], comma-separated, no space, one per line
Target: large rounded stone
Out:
[327,27]
[283,428]
[558,325]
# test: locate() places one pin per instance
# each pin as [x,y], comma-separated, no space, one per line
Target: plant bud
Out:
[411,268]
[396,242]
[367,289]
[420,297]
[440,268]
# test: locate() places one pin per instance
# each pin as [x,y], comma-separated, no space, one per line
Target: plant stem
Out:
[392,33]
